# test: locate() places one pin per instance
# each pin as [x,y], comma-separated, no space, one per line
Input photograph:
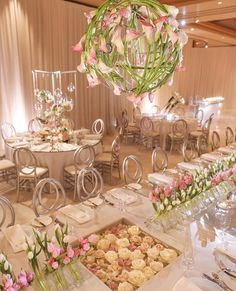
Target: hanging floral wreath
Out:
[134,45]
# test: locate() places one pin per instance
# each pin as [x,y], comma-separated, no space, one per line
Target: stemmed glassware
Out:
[223,219]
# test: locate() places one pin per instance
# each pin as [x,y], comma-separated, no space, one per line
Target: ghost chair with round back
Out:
[28,169]
[229,136]
[7,213]
[7,130]
[48,197]
[34,125]
[159,160]
[215,140]
[132,170]
[98,127]
[89,184]
[178,135]
[83,157]
[189,150]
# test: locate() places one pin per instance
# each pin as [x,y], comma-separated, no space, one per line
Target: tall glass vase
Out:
[72,273]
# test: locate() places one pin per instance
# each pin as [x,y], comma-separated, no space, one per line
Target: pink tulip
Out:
[92,238]
[168,191]
[117,90]
[30,276]
[188,179]
[51,247]
[82,252]
[103,44]
[117,40]
[66,260]
[182,185]
[152,197]
[56,253]
[76,252]
[70,252]
[55,265]
[93,79]
[86,247]
[104,68]
[79,47]
[90,15]
[148,29]
[109,19]
[92,58]
[125,12]
[173,36]
[22,280]
[175,184]
[132,34]
[51,261]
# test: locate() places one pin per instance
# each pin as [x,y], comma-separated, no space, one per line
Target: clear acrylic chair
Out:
[159,160]
[148,136]
[132,170]
[83,157]
[189,150]
[215,140]
[202,145]
[28,169]
[107,162]
[155,109]
[34,125]
[7,213]
[7,130]
[229,136]
[98,127]
[178,134]
[89,184]
[204,131]
[199,115]
[43,202]
[7,170]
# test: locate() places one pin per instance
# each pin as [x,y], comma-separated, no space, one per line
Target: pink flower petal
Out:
[104,68]
[117,40]
[125,12]
[103,45]
[92,58]
[79,47]
[90,15]
[149,30]
[132,34]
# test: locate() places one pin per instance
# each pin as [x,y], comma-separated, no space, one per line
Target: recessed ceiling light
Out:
[183,22]
[192,29]
[197,20]
[220,2]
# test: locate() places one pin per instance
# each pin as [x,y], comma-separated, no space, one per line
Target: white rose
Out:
[136,254]
[125,286]
[134,230]
[156,266]
[162,207]
[138,264]
[6,265]
[124,253]
[103,244]
[168,255]
[136,278]
[66,239]
[122,242]
[30,255]
[148,272]
[153,252]
[169,207]
[2,258]
[111,256]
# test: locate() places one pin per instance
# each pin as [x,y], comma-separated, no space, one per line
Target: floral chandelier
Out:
[134,45]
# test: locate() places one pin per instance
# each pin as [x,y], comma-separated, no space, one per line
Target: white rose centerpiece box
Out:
[124,257]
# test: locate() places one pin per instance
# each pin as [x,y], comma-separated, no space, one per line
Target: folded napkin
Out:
[20,144]
[122,194]
[211,157]
[93,136]
[16,237]
[229,252]
[96,200]
[13,139]
[226,150]
[91,142]
[68,147]
[188,166]
[160,178]
[44,147]
[185,284]
[76,212]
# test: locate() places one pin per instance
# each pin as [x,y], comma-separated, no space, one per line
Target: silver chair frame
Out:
[138,175]
[7,126]
[55,187]
[215,140]
[98,126]
[229,136]
[156,167]
[6,204]
[189,150]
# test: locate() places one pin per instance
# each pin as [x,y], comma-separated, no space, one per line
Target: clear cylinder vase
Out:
[72,273]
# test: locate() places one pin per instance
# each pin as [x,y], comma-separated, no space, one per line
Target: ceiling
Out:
[209,21]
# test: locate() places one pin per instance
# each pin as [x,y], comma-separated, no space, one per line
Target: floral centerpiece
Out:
[135,46]
[59,257]
[124,257]
[9,281]
[52,113]
[186,187]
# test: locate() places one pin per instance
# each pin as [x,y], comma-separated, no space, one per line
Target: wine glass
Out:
[223,219]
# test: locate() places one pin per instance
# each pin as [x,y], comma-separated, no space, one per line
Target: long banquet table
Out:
[105,215]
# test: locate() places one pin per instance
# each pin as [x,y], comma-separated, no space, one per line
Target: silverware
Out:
[217,280]
[222,266]
[62,224]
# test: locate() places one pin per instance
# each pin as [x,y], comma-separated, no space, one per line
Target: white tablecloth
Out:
[54,161]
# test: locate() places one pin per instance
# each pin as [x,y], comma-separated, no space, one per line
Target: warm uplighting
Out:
[220,2]
[183,22]
[192,29]
[197,21]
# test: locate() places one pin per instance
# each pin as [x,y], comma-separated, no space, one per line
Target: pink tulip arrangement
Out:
[8,280]
[186,187]
[135,46]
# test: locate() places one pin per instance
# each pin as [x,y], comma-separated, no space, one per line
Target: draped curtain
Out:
[39,34]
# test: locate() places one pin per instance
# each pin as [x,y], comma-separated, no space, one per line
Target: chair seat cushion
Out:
[107,148]
[195,133]
[132,124]
[39,172]
[71,169]
[6,164]
[172,136]
[150,134]
[104,157]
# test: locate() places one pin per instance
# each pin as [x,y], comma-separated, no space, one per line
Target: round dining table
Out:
[55,160]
